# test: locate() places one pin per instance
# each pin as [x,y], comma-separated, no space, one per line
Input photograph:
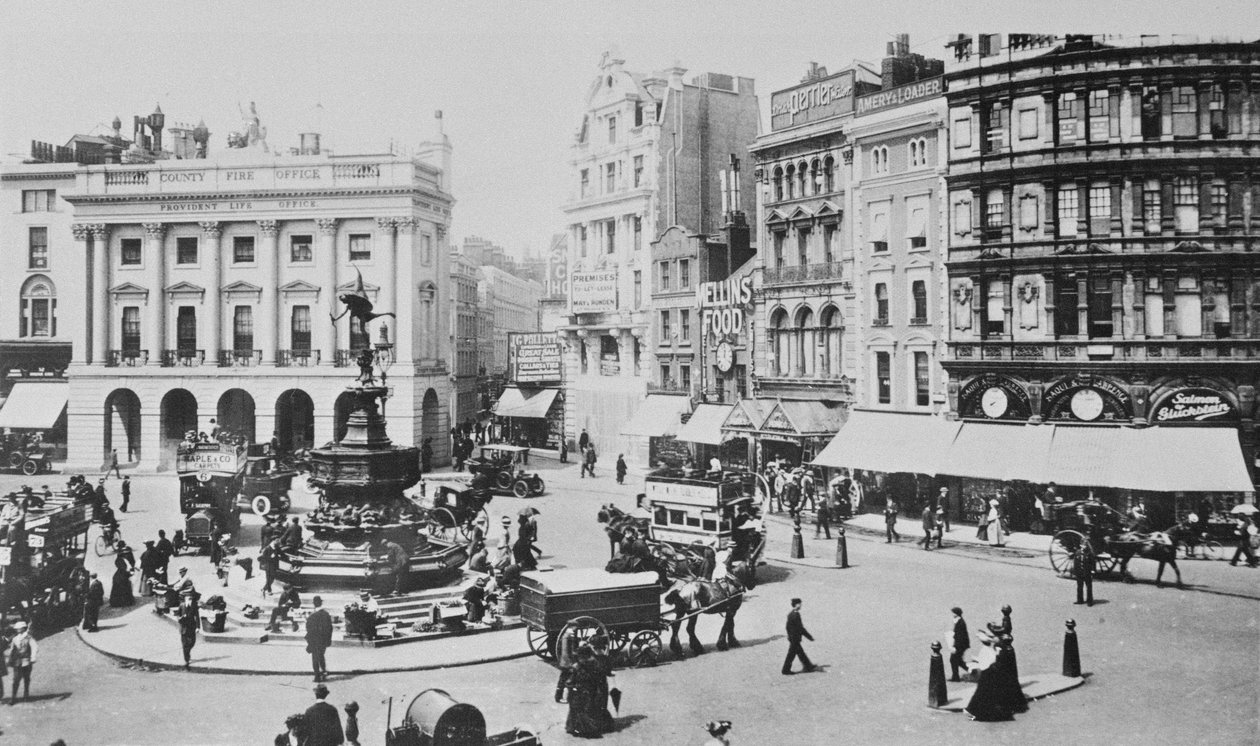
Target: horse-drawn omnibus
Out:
[42,578]
[217,481]
[697,508]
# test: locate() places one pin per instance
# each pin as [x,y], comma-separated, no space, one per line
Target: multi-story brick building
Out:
[465,404]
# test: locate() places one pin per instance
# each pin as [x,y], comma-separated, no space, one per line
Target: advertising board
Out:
[593,292]
[813,101]
[535,358]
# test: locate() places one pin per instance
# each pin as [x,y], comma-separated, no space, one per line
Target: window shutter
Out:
[22,326]
[52,316]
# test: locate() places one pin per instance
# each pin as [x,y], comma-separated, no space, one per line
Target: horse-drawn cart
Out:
[581,603]
[451,504]
[1110,540]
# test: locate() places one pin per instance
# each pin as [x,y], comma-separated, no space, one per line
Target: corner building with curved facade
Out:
[1104,222]
[207,291]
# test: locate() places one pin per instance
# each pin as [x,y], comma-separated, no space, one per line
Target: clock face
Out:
[994,402]
[725,356]
[1087,405]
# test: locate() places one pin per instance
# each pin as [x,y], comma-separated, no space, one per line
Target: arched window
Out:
[918,152]
[802,176]
[829,174]
[779,341]
[815,176]
[38,308]
[879,159]
[805,352]
[831,331]
[778,183]
[790,177]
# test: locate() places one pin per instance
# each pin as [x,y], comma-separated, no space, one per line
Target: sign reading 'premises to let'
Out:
[593,292]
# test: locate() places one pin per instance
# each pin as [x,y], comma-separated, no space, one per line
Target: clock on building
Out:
[994,402]
[725,357]
[1087,405]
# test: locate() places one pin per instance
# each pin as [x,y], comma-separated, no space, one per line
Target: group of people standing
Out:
[585,682]
[998,694]
[320,724]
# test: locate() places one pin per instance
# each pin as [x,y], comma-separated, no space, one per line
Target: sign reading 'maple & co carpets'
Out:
[1193,405]
[593,292]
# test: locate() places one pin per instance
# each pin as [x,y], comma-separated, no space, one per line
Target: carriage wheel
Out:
[16,458]
[1212,550]
[1105,564]
[583,628]
[30,467]
[645,649]
[447,528]
[538,485]
[520,488]
[618,640]
[260,504]
[541,643]
[503,480]
[1062,547]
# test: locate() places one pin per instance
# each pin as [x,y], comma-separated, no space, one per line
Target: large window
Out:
[922,380]
[1100,210]
[610,236]
[131,329]
[1220,204]
[1186,204]
[638,171]
[242,249]
[582,236]
[1100,119]
[1185,112]
[638,289]
[879,160]
[39,200]
[684,376]
[585,183]
[881,303]
[300,248]
[360,247]
[997,123]
[1152,206]
[1152,123]
[994,307]
[995,212]
[831,341]
[612,130]
[1068,210]
[300,328]
[778,184]
[778,238]
[186,250]
[802,246]
[1068,114]
[883,377]
[186,330]
[684,325]
[243,328]
[916,222]
[38,309]
[684,274]
[879,229]
[664,275]
[610,178]
[829,174]
[636,223]
[130,251]
[829,242]
[918,152]
[1216,112]
[37,248]
[1100,325]
[666,330]
[918,291]
[1067,320]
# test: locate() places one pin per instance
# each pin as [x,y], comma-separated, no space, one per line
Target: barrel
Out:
[446,722]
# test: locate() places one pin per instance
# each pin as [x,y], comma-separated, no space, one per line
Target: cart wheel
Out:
[16,458]
[1104,564]
[503,480]
[30,467]
[645,649]
[583,628]
[1062,547]
[260,504]
[443,520]
[1212,550]
[520,488]
[541,644]
[618,640]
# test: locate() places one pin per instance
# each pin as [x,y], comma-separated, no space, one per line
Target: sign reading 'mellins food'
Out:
[813,101]
[1194,404]
[899,96]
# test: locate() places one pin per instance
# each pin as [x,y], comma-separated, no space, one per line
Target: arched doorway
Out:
[341,413]
[236,413]
[178,415]
[430,427]
[295,420]
[122,425]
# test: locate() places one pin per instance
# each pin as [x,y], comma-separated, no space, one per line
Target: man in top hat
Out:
[126,493]
[1083,570]
[92,603]
[322,721]
[942,511]
[960,641]
[475,599]
[23,651]
[319,629]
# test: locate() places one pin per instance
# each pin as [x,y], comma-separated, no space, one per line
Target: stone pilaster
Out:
[269,311]
[326,258]
[155,270]
[211,232]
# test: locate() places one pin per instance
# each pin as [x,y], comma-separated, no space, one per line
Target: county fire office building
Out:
[198,289]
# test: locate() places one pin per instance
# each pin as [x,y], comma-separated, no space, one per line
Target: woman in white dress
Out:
[996,532]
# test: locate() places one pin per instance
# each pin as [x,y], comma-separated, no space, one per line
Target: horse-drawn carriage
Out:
[502,469]
[1109,540]
[451,504]
[42,578]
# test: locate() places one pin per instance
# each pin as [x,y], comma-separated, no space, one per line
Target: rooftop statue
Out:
[254,136]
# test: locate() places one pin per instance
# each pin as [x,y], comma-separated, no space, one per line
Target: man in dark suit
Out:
[319,629]
[929,525]
[1083,570]
[291,539]
[795,631]
[126,493]
[322,723]
[961,642]
[93,603]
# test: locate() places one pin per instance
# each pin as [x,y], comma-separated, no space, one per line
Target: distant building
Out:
[465,275]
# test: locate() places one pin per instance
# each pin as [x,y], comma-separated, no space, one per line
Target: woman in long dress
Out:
[124,565]
[583,685]
[996,533]
[988,702]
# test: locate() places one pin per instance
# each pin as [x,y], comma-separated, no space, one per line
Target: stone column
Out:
[403,264]
[155,258]
[326,252]
[87,351]
[210,233]
[100,301]
[388,300]
[625,353]
[269,311]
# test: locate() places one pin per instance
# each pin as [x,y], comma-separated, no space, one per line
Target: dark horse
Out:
[1160,546]
[694,596]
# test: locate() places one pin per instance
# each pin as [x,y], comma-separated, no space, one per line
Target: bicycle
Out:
[107,542]
[1201,547]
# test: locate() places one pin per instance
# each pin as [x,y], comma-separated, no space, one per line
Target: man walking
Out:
[584,440]
[942,508]
[621,468]
[319,629]
[126,491]
[961,641]
[1244,529]
[23,651]
[398,561]
[93,603]
[1083,569]
[822,519]
[322,722]
[269,561]
[189,622]
[588,461]
[929,523]
[795,631]
[291,539]
[113,464]
[890,522]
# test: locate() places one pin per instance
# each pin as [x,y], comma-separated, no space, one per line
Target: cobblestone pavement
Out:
[1164,666]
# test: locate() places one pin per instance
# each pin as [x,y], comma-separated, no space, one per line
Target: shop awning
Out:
[1090,457]
[805,418]
[658,415]
[1185,459]
[34,405]
[990,450]
[705,425]
[889,442]
[524,403]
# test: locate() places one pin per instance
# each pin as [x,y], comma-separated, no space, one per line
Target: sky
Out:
[509,77]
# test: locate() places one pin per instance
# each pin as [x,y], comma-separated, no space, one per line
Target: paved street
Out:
[1164,665]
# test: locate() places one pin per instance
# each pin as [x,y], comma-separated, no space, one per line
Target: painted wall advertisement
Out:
[535,358]
[1194,405]
[811,102]
[900,96]
[593,292]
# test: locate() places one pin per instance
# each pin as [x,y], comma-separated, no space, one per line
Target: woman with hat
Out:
[503,543]
[996,520]
[124,565]
[989,702]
